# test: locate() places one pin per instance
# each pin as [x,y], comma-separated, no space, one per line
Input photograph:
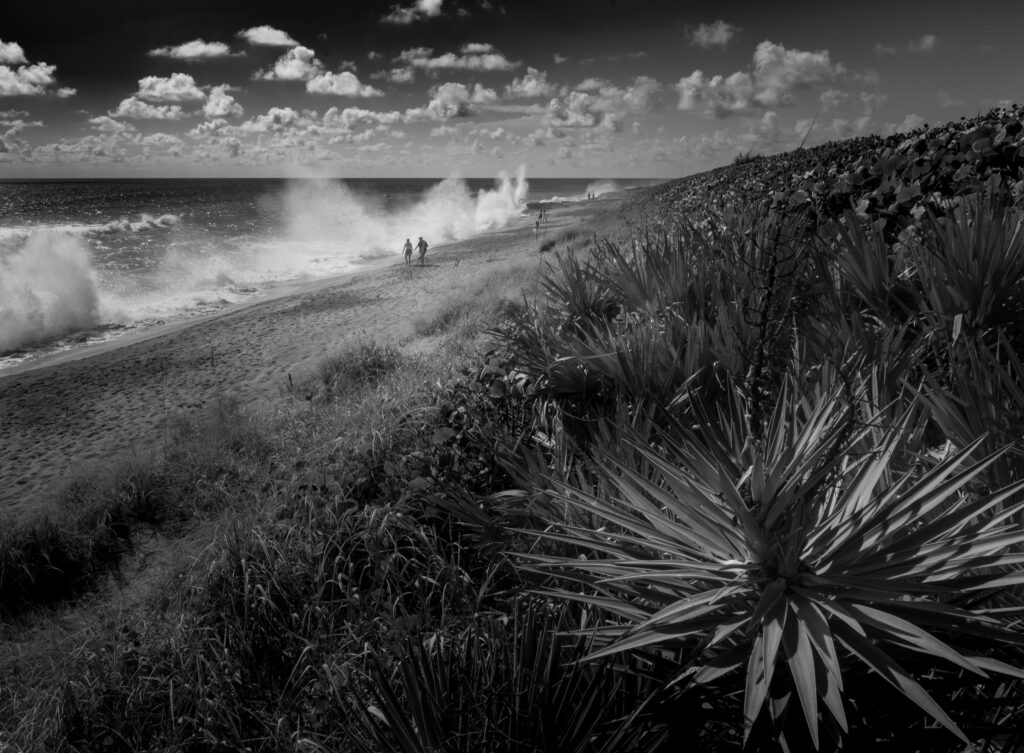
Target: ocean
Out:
[85,261]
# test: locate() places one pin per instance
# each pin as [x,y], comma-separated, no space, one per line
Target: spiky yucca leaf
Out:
[793,556]
[970,264]
[980,390]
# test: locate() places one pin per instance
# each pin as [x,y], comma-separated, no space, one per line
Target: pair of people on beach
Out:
[421,247]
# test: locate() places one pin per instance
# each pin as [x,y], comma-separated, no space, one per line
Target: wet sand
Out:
[78,411]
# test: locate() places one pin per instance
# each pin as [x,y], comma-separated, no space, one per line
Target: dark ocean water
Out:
[82,261]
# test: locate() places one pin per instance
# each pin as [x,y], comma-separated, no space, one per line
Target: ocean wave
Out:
[145,222]
[17,235]
[593,190]
[333,222]
[60,281]
[48,288]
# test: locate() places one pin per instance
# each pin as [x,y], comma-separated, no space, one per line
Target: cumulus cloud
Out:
[483,96]
[11,53]
[267,36]
[572,111]
[640,96]
[109,125]
[779,71]
[776,74]
[275,119]
[911,122]
[533,84]
[472,57]
[395,75]
[17,124]
[926,43]
[833,99]
[559,59]
[591,84]
[716,34]
[351,116]
[178,87]
[603,106]
[452,100]
[209,128]
[19,78]
[66,91]
[26,80]
[135,109]
[220,104]
[766,131]
[885,49]
[844,128]
[417,11]
[298,64]
[197,49]
[161,139]
[344,84]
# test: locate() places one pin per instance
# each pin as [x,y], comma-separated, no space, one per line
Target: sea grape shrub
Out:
[487,407]
[894,181]
[481,417]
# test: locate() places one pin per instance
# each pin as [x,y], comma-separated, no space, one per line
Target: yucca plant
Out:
[970,265]
[830,546]
[671,319]
[980,391]
[875,277]
[963,272]
[578,295]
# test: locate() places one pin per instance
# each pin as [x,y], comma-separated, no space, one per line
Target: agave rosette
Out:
[828,542]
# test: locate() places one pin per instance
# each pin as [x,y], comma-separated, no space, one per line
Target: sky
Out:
[432,88]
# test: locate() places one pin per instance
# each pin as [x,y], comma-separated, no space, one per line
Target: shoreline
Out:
[273,291]
[73,413]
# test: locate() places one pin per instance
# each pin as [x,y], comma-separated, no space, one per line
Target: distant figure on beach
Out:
[407,248]
[422,248]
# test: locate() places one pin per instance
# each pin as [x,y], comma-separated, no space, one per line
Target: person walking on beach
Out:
[407,248]
[422,248]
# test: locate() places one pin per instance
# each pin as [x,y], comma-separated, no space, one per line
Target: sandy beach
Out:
[78,411]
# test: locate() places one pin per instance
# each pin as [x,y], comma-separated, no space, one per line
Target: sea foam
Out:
[145,222]
[48,288]
[359,226]
[593,190]
[53,283]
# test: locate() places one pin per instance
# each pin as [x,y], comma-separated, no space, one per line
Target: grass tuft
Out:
[363,364]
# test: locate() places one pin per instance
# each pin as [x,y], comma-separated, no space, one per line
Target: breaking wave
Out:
[145,222]
[359,226]
[593,190]
[48,288]
[54,283]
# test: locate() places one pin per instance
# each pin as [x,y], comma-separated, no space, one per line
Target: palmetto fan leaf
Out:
[825,544]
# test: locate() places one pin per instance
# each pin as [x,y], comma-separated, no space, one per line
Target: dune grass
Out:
[492,295]
[95,519]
